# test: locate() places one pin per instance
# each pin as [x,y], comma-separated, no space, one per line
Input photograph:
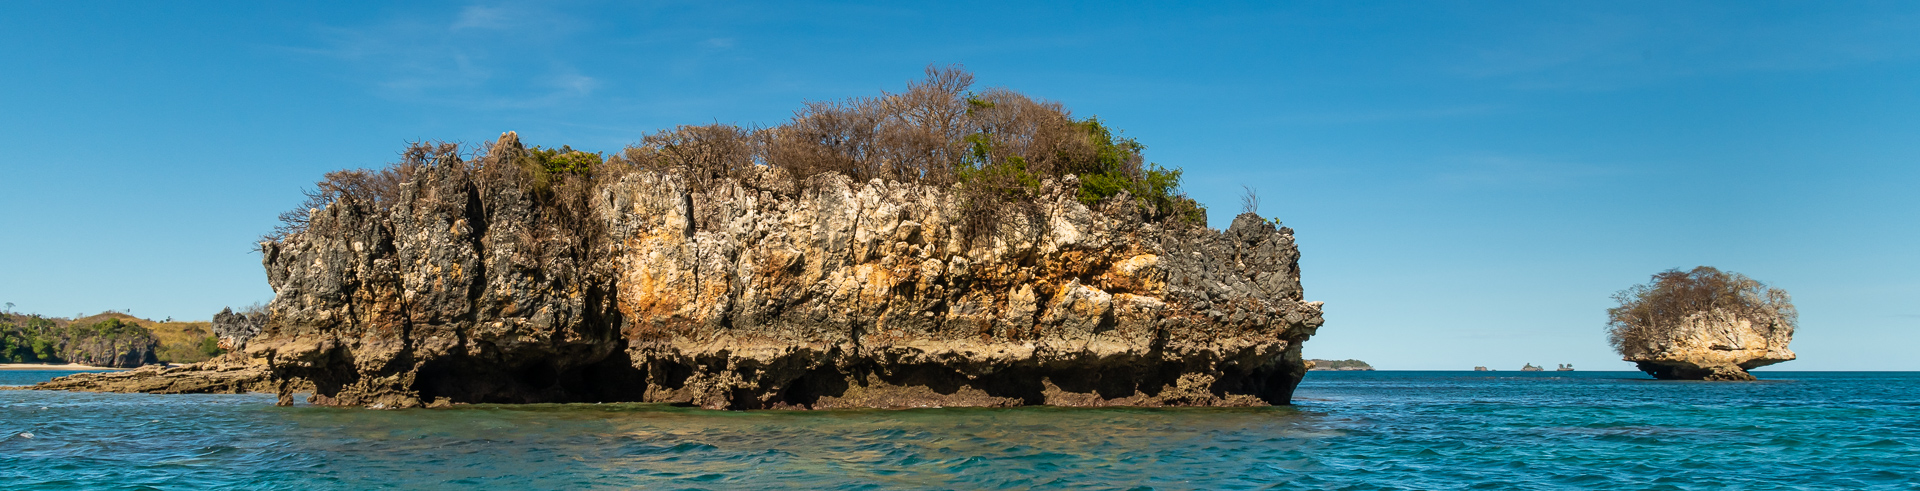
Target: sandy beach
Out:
[49,366]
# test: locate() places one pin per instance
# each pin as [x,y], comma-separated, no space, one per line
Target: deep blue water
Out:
[1348,430]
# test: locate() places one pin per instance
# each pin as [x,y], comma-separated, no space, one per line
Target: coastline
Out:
[48,366]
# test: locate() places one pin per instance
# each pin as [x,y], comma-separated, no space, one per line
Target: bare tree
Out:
[1249,200]
[994,146]
[702,153]
[370,188]
[1649,314]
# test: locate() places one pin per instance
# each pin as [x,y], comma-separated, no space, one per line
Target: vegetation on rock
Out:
[1649,314]
[108,342]
[108,339]
[27,339]
[1702,324]
[185,342]
[994,146]
[1323,365]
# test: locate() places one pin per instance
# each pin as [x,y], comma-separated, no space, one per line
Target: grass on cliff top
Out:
[169,333]
[993,146]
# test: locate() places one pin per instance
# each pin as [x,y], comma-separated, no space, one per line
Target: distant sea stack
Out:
[1715,346]
[1319,365]
[789,273]
[1703,324]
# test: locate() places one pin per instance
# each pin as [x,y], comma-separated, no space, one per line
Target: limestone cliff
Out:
[1716,345]
[766,292]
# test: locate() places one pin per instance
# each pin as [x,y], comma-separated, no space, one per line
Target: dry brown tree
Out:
[701,153]
[374,189]
[994,146]
[1649,315]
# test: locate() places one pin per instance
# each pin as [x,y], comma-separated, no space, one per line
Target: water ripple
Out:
[1351,430]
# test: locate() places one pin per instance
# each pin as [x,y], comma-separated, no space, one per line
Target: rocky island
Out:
[938,247]
[1703,324]
[1318,365]
[106,340]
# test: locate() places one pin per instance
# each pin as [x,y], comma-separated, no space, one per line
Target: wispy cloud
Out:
[483,17]
[1612,49]
[1390,115]
[503,56]
[1498,171]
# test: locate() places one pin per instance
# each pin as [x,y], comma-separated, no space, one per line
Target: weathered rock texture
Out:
[233,327]
[1716,345]
[226,375]
[114,352]
[773,293]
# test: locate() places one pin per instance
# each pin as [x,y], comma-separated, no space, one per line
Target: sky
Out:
[1469,182]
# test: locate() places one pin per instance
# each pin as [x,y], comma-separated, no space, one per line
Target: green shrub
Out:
[546,165]
[205,349]
[36,339]
[28,339]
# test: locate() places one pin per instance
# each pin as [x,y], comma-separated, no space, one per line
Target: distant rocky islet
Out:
[1319,365]
[108,340]
[1703,324]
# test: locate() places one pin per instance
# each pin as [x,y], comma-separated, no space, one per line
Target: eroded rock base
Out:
[1684,371]
[741,377]
[1716,345]
[1253,376]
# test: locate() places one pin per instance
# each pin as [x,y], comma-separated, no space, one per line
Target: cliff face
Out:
[1716,345]
[850,294]
[124,352]
[230,326]
[760,292]
[837,294]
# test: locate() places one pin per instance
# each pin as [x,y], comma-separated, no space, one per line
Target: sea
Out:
[1346,430]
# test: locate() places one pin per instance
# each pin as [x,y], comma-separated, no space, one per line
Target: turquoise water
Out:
[1349,430]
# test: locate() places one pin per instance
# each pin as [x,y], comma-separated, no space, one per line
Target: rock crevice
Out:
[739,294]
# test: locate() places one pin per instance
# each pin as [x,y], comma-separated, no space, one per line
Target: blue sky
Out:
[1470,181]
